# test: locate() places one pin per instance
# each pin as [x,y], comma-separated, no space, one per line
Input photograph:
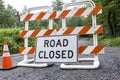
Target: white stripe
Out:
[41,33]
[100,12]
[47,15]
[27,49]
[5,48]
[97,27]
[87,11]
[72,12]
[60,32]
[88,50]
[76,30]
[54,32]
[102,51]
[58,13]
[29,33]
[23,17]
[6,54]
[91,30]
[34,16]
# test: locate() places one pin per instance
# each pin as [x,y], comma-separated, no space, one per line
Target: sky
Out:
[19,4]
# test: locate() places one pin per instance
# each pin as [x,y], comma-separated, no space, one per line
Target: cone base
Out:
[6,62]
[8,68]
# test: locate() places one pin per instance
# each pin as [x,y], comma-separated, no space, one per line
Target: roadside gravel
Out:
[108,70]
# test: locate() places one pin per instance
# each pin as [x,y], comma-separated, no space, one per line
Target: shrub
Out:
[12,37]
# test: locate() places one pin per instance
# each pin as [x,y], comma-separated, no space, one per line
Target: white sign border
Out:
[55,36]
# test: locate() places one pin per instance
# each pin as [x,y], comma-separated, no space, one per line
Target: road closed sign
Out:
[56,49]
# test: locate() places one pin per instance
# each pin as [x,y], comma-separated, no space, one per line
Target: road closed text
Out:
[63,54]
[56,49]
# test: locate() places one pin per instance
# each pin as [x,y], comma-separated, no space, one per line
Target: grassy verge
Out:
[114,42]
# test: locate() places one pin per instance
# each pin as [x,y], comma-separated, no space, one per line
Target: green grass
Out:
[114,42]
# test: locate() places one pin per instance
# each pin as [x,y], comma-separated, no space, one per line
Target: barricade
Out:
[81,30]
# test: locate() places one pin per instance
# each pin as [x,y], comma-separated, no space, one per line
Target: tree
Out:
[2,12]
[57,5]
[110,17]
[10,19]
[8,16]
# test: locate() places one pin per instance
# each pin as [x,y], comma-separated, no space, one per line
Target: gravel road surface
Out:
[108,70]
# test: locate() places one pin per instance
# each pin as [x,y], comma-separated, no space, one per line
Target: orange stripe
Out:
[97,49]
[21,49]
[96,10]
[48,32]
[80,11]
[32,50]
[27,18]
[53,15]
[64,13]
[5,43]
[57,29]
[84,30]
[34,34]
[5,51]
[40,16]
[81,49]
[69,30]
[23,33]
[100,30]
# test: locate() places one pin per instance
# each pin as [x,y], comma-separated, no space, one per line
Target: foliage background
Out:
[10,25]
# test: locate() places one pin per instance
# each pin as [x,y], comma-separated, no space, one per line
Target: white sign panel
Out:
[56,49]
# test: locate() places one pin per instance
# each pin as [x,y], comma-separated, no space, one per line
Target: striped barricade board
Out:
[62,14]
[81,50]
[82,30]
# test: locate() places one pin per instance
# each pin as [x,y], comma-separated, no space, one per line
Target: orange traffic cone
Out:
[6,58]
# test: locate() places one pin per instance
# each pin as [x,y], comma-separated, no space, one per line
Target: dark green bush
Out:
[11,35]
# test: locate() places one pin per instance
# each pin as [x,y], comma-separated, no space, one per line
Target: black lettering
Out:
[57,54]
[65,42]
[52,43]
[58,43]
[46,43]
[51,54]
[40,54]
[63,53]
[45,56]
[70,53]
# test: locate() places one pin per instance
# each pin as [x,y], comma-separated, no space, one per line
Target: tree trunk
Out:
[110,23]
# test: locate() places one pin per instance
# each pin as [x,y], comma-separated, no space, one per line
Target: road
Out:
[108,70]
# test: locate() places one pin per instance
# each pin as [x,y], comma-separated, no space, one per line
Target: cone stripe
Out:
[5,51]
[6,54]
[62,14]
